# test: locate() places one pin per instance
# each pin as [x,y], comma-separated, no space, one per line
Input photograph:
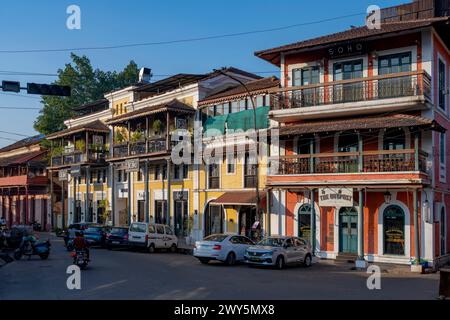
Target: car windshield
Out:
[272,242]
[118,230]
[216,238]
[93,229]
[137,227]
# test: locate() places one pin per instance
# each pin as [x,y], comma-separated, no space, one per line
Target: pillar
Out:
[74,199]
[147,193]
[313,223]
[416,227]
[361,226]
[86,205]
[63,205]
[113,194]
[169,198]
[129,197]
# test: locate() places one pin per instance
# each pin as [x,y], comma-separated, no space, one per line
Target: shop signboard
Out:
[336,197]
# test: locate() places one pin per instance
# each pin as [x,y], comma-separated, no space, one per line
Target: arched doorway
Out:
[394,230]
[348,230]
[304,221]
[443,233]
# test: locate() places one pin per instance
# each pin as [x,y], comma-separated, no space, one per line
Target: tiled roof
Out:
[351,34]
[96,126]
[256,87]
[174,106]
[21,158]
[379,122]
[23,143]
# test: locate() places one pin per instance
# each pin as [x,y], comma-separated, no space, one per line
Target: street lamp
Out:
[258,212]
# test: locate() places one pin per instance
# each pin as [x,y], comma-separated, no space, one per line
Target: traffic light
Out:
[48,89]
[11,86]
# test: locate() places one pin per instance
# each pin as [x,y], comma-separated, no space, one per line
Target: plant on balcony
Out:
[137,136]
[119,137]
[57,151]
[157,126]
[80,145]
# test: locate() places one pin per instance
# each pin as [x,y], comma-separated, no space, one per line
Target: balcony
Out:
[393,92]
[139,148]
[78,157]
[348,166]
[23,180]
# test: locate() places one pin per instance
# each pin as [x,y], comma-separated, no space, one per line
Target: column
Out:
[86,205]
[416,228]
[268,212]
[169,198]
[313,223]
[52,221]
[416,151]
[63,207]
[129,197]
[74,200]
[360,150]
[311,155]
[113,193]
[147,193]
[361,226]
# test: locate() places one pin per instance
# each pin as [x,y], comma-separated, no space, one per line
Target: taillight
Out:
[73,254]
[126,237]
[146,237]
[217,247]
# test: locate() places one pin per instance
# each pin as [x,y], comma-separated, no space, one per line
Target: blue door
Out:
[348,230]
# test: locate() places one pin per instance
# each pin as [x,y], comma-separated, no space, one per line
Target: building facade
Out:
[361,160]
[24,184]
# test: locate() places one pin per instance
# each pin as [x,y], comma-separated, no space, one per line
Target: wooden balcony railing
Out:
[353,162]
[404,84]
[148,146]
[78,157]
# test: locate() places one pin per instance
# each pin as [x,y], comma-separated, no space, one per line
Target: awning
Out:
[365,123]
[239,198]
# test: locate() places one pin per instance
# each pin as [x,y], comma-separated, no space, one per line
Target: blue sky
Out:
[42,25]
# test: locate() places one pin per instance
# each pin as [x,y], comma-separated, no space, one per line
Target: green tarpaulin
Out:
[215,126]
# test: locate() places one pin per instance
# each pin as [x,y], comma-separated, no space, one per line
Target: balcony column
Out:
[19,207]
[74,200]
[88,186]
[311,154]
[146,136]
[360,151]
[268,231]
[62,205]
[129,192]
[313,222]
[128,142]
[147,193]
[416,151]
[416,228]
[27,207]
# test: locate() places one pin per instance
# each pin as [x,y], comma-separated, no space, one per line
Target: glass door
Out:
[348,70]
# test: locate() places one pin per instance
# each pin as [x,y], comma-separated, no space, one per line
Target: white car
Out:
[228,248]
[152,236]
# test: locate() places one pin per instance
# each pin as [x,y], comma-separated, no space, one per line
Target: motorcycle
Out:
[80,259]
[36,226]
[28,247]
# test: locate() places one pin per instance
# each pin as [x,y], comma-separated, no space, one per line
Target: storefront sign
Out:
[346,50]
[63,175]
[123,193]
[336,197]
[75,171]
[132,165]
[140,195]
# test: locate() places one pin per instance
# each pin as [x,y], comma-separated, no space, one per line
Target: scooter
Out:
[29,248]
[80,258]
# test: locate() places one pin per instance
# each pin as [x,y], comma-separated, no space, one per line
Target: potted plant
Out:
[80,145]
[57,151]
[157,126]
[136,136]
[119,137]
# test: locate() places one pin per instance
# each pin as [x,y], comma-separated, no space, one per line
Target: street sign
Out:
[132,165]
[62,175]
[336,197]
[11,86]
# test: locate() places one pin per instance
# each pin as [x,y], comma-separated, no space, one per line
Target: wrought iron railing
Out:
[352,162]
[405,84]
[148,146]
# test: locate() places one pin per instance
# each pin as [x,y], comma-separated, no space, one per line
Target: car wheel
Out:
[308,260]
[279,263]
[231,259]
[151,249]
[204,260]
[173,248]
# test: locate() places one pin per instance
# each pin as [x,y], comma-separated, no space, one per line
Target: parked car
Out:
[228,248]
[152,236]
[279,252]
[70,233]
[117,237]
[95,235]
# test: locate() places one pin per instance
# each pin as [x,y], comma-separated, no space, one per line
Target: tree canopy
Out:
[88,85]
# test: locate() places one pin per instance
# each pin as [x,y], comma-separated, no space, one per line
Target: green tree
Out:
[88,85]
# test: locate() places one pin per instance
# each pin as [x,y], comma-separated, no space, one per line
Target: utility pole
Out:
[258,200]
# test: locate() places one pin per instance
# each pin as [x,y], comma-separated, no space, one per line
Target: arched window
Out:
[394,230]
[304,221]
[394,139]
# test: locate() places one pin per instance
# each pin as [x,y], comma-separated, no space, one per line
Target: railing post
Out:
[416,151]
[311,155]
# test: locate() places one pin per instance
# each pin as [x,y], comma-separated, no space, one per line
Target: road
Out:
[135,275]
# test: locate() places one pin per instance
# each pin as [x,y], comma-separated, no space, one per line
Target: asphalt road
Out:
[135,275]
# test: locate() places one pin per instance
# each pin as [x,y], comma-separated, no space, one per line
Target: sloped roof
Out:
[95,126]
[378,122]
[23,143]
[22,158]
[256,87]
[272,55]
[174,106]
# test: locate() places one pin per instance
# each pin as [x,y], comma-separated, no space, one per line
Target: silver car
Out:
[279,252]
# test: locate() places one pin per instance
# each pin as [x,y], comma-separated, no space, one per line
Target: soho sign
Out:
[346,49]
[336,197]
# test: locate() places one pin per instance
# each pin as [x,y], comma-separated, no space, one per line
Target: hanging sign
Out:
[132,165]
[62,175]
[336,197]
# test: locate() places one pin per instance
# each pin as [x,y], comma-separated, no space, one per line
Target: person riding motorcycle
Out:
[81,244]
